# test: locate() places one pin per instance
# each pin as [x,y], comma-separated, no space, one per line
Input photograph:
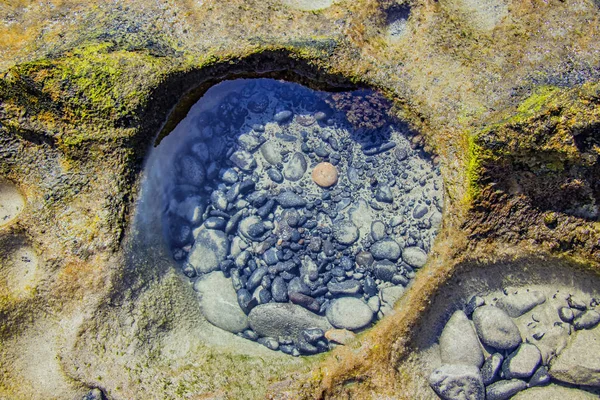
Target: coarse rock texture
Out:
[574,364]
[506,95]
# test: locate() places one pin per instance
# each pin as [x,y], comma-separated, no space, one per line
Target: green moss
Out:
[91,87]
[474,163]
[537,100]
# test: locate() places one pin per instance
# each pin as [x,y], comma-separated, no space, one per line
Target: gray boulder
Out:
[414,256]
[295,168]
[454,382]
[459,343]
[284,320]
[219,304]
[518,304]
[243,160]
[386,249]
[349,313]
[579,362]
[211,247]
[523,362]
[270,151]
[495,328]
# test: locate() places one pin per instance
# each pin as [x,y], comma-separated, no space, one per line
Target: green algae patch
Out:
[536,171]
[539,99]
[475,156]
[93,89]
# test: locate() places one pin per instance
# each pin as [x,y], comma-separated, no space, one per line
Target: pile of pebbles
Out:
[292,221]
[501,344]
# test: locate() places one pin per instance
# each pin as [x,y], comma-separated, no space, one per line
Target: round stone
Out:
[325,174]
[345,233]
[349,313]
[495,328]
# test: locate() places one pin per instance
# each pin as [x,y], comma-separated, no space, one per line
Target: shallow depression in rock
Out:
[295,213]
[11,202]
[19,267]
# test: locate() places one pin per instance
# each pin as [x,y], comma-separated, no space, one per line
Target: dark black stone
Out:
[188,270]
[369,286]
[290,200]
[346,263]
[288,276]
[262,295]
[279,290]
[256,230]
[322,151]
[296,246]
[269,342]
[275,175]
[399,279]
[328,248]
[319,291]
[349,287]
[215,223]
[384,270]
[245,300]
[270,256]
[256,278]
[180,232]
[306,348]
[287,349]
[233,192]
[540,377]
[234,221]
[304,300]
[246,186]
[257,199]
[313,335]
[225,266]
[265,210]
[364,259]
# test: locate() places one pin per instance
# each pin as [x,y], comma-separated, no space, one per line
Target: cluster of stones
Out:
[486,355]
[292,224]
